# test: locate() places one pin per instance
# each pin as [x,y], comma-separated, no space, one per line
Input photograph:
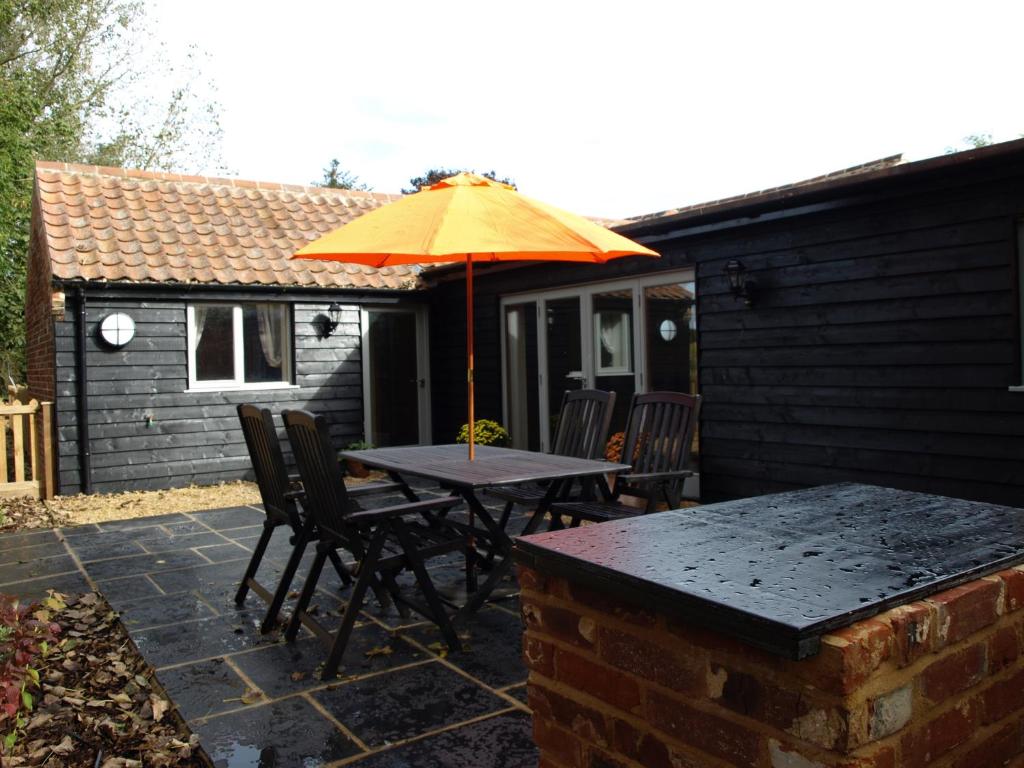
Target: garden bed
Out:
[96,703]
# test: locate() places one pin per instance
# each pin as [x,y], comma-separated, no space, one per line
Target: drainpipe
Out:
[82,395]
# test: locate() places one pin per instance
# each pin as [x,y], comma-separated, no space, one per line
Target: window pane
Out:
[613,332]
[264,336]
[215,343]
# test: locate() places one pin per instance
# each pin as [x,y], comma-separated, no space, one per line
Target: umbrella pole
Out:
[469,352]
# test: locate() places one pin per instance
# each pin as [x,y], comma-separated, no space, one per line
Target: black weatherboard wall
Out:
[884,339]
[193,436]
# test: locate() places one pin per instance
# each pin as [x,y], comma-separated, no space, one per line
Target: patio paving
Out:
[399,701]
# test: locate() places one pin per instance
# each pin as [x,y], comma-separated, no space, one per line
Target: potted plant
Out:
[485,432]
[353,467]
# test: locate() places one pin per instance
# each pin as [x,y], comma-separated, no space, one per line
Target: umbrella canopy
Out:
[469,218]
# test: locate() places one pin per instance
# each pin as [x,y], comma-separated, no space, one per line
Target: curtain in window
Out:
[271,326]
[200,313]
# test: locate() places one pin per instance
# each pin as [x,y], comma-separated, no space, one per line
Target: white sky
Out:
[603,108]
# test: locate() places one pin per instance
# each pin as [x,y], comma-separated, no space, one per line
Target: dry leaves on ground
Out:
[100,704]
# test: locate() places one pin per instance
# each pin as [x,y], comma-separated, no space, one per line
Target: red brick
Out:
[996,748]
[1013,582]
[934,739]
[914,631]
[585,722]
[538,655]
[1004,698]
[560,623]
[966,609]
[650,661]
[556,744]
[640,746]
[598,758]
[707,732]
[1003,649]
[954,673]
[847,657]
[605,604]
[615,688]
[879,757]
[531,579]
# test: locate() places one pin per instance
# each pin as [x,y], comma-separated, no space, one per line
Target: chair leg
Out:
[307,592]
[281,593]
[506,513]
[340,568]
[366,567]
[440,615]
[254,561]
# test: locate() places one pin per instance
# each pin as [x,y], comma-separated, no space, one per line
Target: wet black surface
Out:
[398,705]
[257,701]
[505,741]
[781,570]
[285,734]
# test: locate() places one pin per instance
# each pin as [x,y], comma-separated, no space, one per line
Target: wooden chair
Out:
[384,541]
[583,424]
[659,433]
[282,497]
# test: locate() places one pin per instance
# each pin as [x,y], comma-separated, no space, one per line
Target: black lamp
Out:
[742,287]
[327,324]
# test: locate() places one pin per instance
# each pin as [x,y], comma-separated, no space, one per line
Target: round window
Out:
[667,330]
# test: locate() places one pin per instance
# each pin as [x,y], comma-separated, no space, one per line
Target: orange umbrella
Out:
[472,219]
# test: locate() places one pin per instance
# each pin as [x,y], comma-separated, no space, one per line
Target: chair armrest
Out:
[399,510]
[297,495]
[645,476]
[366,490]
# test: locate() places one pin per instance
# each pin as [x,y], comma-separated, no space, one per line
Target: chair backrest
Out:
[659,431]
[583,423]
[267,462]
[326,497]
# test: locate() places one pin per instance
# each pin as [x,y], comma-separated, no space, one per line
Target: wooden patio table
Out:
[449,465]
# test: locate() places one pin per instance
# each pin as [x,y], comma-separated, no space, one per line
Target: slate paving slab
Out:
[257,701]
[401,704]
[289,733]
[503,741]
[204,689]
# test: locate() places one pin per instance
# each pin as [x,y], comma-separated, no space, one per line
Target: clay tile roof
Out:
[115,224]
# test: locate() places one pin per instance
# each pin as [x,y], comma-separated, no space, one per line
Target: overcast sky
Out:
[607,109]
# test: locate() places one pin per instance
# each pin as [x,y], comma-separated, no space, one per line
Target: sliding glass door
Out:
[626,336]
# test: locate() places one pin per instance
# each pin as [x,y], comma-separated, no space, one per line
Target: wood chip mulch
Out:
[100,705]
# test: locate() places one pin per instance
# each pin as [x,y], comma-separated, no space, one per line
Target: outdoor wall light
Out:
[742,287]
[327,324]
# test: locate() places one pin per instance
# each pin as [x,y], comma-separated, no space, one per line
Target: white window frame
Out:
[238,382]
[625,337]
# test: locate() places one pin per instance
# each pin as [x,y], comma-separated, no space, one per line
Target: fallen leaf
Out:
[64,748]
[297,676]
[380,650]
[160,706]
[251,696]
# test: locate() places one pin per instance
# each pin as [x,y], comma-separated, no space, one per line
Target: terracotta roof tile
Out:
[115,224]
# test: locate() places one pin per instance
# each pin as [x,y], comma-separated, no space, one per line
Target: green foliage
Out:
[336,178]
[26,637]
[76,85]
[485,432]
[359,445]
[973,141]
[435,175]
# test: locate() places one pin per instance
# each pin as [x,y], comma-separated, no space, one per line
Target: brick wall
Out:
[938,682]
[40,351]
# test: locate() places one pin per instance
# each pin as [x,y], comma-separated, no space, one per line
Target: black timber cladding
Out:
[880,350]
[194,436]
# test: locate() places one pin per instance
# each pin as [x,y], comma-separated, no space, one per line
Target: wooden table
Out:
[449,465]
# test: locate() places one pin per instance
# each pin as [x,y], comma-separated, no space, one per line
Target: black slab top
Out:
[450,464]
[780,571]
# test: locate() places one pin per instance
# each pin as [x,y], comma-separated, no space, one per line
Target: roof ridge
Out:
[222,181]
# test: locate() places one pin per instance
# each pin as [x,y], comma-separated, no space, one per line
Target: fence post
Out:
[49,465]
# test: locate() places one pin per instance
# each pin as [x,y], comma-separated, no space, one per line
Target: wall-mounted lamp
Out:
[327,324]
[742,287]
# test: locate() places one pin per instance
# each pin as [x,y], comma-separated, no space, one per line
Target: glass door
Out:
[521,395]
[614,362]
[395,381]
[563,355]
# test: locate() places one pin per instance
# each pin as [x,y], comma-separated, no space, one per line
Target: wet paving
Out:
[400,700]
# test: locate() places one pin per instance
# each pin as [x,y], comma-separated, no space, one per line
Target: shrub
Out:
[26,634]
[613,450]
[485,432]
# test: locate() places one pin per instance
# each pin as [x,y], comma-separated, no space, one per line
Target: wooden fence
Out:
[26,449]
